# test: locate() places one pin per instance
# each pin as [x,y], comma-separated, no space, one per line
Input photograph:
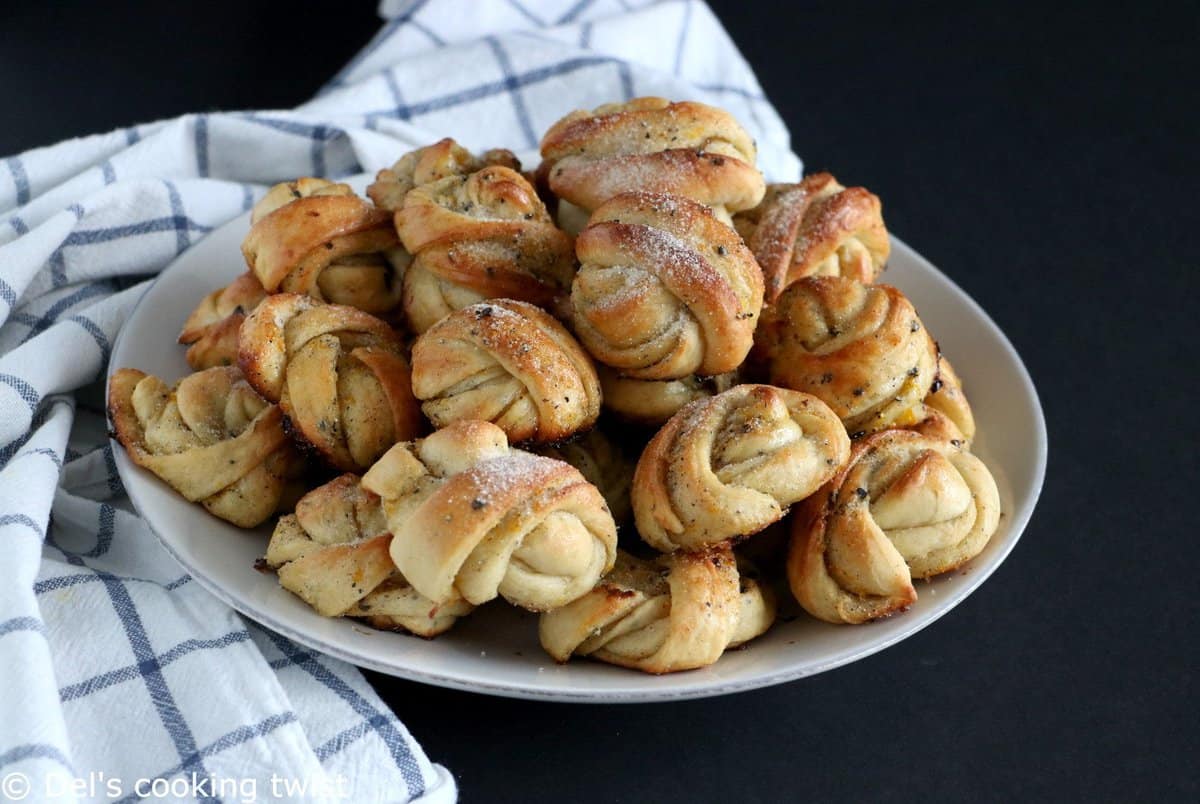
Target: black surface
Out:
[1045,157]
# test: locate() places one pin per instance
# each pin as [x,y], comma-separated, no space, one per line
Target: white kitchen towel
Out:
[121,677]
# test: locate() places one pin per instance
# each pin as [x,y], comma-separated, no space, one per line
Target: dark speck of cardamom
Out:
[858,392]
[915,326]
[858,434]
[937,386]
[721,251]
[861,492]
[914,371]
[826,378]
[477,503]
[483,312]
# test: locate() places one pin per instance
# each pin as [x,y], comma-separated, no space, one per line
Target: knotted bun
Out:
[905,506]
[338,374]
[473,517]
[664,289]
[509,363]
[210,437]
[729,466]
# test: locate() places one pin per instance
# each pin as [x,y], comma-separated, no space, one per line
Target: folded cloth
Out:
[123,678]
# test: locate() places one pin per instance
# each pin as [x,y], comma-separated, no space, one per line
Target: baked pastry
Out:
[946,398]
[653,145]
[729,466]
[815,228]
[664,289]
[861,349]
[472,517]
[211,331]
[338,373]
[479,236]
[602,464]
[333,554]
[679,612]
[905,506]
[431,163]
[652,402]
[210,437]
[509,363]
[318,238]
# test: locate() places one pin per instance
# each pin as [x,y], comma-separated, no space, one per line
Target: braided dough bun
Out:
[475,518]
[333,554]
[509,363]
[652,144]
[665,289]
[481,236]
[815,228]
[652,402]
[729,466]
[906,506]
[317,238]
[861,349]
[338,374]
[602,464]
[210,437]
[211,331]
[429,164]
[678,612]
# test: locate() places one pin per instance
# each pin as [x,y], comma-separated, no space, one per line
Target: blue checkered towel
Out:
[116,667]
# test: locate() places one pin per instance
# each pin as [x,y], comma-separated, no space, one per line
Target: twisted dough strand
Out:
[211,331]
[475,518]
[860,349]
[210,437]
[333,554]
[338,373]
[816,228]
[654,145]
[317,238]
[431,163]
[730,465]
[479,236]
[677,613]
[509,363]
[906,506]
[664,290]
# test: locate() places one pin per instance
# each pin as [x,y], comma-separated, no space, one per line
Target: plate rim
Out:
[1019,521]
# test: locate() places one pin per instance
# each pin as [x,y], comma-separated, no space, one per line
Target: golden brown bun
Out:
[475,518]
[333,554]
[479,236]
[338,374]
[433,162]
[509,363]
[815,228]
[730,465]
[211,331]
[210,437]
[652,402]
[654,145]
[664,289]
[860,349]
[602,464]
[677,613]
[317,238]
[906,506]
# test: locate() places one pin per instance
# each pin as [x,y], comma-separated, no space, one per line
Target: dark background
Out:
[1045,156]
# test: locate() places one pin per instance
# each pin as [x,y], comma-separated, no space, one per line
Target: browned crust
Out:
[285,240]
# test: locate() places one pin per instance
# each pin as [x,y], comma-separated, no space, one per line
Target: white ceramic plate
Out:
[496,649]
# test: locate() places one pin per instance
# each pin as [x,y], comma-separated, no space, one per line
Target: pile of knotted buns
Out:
[449,344]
